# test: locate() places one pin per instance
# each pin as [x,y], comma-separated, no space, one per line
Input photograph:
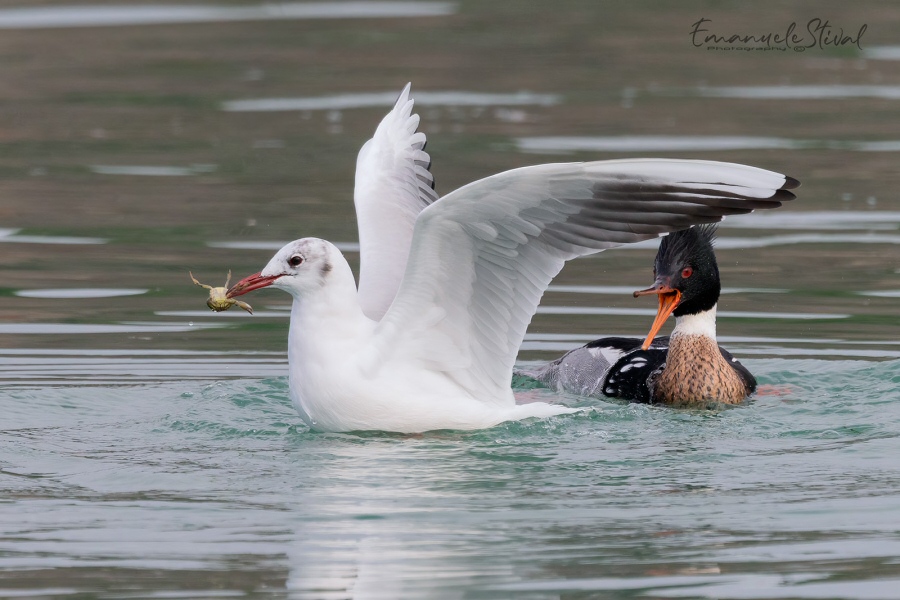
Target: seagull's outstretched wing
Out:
[393,185]
[483,255]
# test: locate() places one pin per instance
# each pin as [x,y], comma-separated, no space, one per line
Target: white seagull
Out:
[448,286]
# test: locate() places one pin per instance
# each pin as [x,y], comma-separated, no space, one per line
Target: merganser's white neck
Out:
[703,323]
[696,371]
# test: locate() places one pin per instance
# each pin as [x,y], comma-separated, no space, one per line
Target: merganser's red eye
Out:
[686,272]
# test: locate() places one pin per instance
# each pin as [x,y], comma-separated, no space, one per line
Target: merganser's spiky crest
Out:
[687,260]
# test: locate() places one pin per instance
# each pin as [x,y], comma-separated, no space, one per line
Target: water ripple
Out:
[117,16]
[422,97]
[191,476]
[692,143]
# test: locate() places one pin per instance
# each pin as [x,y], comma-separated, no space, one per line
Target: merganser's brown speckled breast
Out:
[697,373]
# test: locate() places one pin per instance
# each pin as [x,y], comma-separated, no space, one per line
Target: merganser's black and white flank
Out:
[688,368]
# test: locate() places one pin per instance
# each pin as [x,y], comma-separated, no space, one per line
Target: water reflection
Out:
[882,293]
[741,345]
[725,242]
[160,14]
[722,314]
[882,53]
[726,339]
[70,293]
[99,328]
[650,143]
[844,220]
[387,99]
[234,314]
[784,92]
[802,92]
[731,243]
[273,246]
[691,143]
[749,586]
[621,290]
[152,171]
[29,367]
[13,236]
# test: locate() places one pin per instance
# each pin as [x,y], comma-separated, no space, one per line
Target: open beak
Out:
[250,283]
[669,299]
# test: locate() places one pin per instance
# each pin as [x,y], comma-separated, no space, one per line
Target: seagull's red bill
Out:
[250,283]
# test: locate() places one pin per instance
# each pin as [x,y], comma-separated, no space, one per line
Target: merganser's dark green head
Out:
[687,276]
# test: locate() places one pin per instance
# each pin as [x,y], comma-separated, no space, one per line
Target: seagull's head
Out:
[298,268]
[687,276]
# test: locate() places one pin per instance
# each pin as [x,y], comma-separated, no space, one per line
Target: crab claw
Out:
[203,285]
[244,305]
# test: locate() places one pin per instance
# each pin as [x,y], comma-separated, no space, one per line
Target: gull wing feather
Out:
[393,185]
[483,255]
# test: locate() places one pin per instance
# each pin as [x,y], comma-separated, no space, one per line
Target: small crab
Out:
[218,296]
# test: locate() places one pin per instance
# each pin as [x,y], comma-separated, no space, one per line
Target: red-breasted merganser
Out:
[687,368]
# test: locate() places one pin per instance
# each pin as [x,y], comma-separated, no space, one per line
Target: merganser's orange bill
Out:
[669,298]
[250,283]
